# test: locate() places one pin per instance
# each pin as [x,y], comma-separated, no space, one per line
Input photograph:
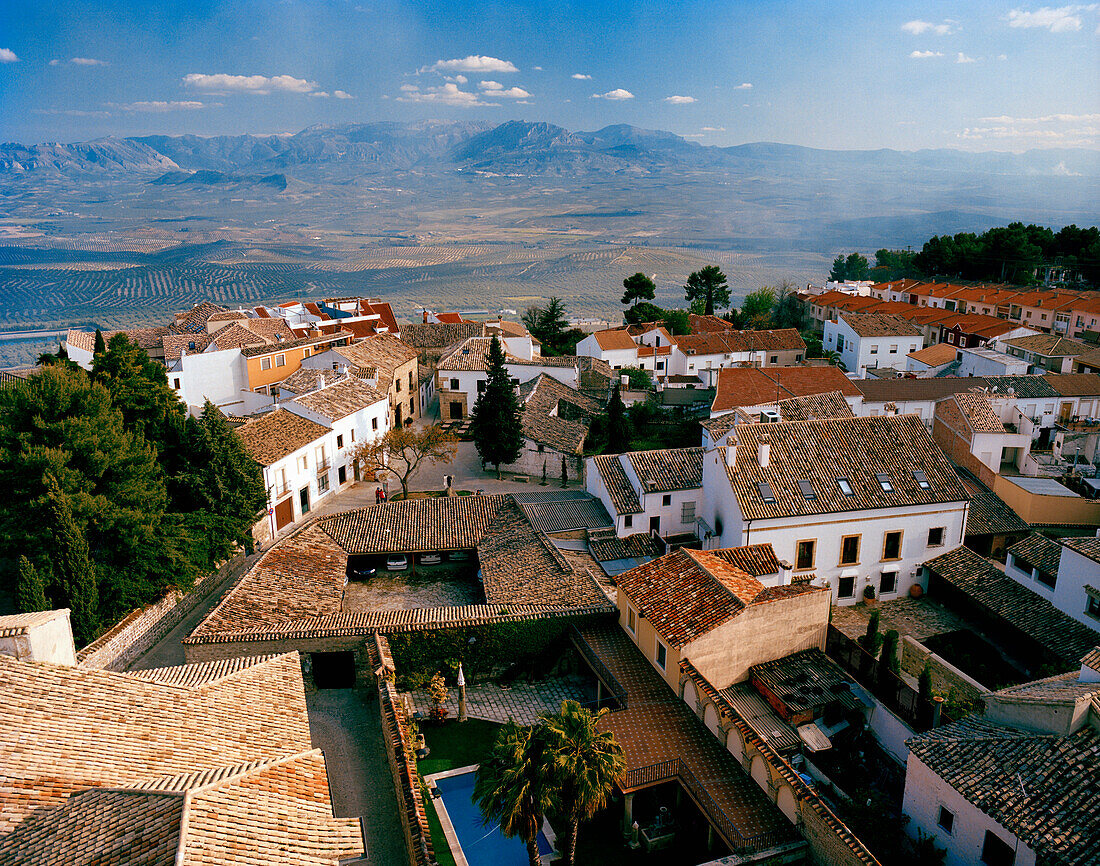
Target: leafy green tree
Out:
[676,322]
[496,422]
[138,386]
[710,286]
[924,684]
[839,271]
[640,380]
[643,312]
[856,267]
[756,309]
[638,288]
[889,660]
[618,425]
[59,358]
[30,591]
[550,327]
[512,786]
[402,449]
[872,640]
[789,311]
[73,573]
[583,765]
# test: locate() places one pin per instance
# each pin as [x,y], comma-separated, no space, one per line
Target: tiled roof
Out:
[1088,546]
[1048,345]
[556,415]
[270,437]
[815,406]
[1038,551]
[1023,386]
[307,379]
[978,413]
[472,355]
[935,355]
[384,352]
[200,673]
[988,513]
[728,341]
[751,386]
[271,330]
[820,452]
[805,680]
[1044,789]
[146,338]
[197,317]
[879,325]
[699,324]
[614,339]
[237,336]
[228,316]
[270,348]
[570,514]
[1066,688]
[755,559]
[439,335]
[671,469]
[607,547]
[176,344]
[1008,600]
[899,390]
[16,624]
[341,399]
[623,497]
[1074,384]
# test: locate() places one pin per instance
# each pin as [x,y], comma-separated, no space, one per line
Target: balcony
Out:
[281,490]
[323,466]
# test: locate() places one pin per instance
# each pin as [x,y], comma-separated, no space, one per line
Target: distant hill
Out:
[101,155]
[206,177]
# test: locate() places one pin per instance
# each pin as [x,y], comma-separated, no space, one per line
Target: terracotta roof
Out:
[821,452]
[198,315]
[146,338]
[271,348]
[127,769]
[270,437]
[935,355]
[1048,345]
[1023,386]
[1042,788]
[439,335]
[176,344]
[1006,599]
[1074,384]
[16,624]
[756,559]
[623,497]
[1088,546]
[307,379]
[341,398]
[272,330]
[614,339]
[1038,551]
[978,413]
[471,355]
[1066,688]
[669,469]
[237,336]
[879,325]
[752,386]
[900,390]
[607,547]
[228,316]
[988,513]
[728,341]
[556,415]
[814,406]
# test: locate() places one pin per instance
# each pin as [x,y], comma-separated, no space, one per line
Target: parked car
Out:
[458,555]
[430,559]
[361,571]
[397,562]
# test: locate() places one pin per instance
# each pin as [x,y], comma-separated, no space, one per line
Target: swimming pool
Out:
[481,845]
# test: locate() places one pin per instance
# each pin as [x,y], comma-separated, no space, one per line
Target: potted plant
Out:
[869,595]
[437,695]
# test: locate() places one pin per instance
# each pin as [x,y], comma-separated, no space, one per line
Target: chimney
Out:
[731,456]
[764,453]
[937,710]
[785,569]
[891,409]
[45,636]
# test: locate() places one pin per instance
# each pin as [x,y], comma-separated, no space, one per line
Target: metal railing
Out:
[281,490]
[323,466]
[617,692]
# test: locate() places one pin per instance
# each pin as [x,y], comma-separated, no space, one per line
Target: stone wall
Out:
[947,680]
[116,649]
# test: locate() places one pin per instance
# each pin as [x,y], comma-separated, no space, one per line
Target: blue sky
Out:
[972,75]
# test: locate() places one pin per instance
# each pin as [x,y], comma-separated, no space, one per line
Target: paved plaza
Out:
[523,702]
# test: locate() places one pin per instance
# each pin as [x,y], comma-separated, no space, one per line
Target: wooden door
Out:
[284,513]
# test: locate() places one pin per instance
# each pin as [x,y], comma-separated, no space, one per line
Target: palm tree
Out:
[511,787]
[584,764]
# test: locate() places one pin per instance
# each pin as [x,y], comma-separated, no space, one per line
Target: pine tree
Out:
[496,423]
[72,567]
[618,425]
[30,593]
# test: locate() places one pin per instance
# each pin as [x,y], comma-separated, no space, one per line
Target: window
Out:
[893,348]
[891,545]
[804,554]
[666,499]
[628,520]
[305,352]
[774,359]
[632,620]
[687,512]
[397,386]
[322,483]
[807,490]
[454,384]
[888,582]
[1045,578]
[265,363]
[661,656]
[1092,606]
[849,550]
[481,386]
[412,407]
[176,384]
[765,491]
[845,486]
[303,463]
[997,852]
[410,380]
[921,479]
[541,448]
[846,587]
[884,482]
[280,360]
[935,536]
[874,350]
[339,441]
[373,423]
[946,819]
[798,359]
[352,435]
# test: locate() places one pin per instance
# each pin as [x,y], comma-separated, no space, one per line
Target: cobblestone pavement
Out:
[919,618]
[524,702]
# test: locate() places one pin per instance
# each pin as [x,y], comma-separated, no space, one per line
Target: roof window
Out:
[807,490]
[845,486]
[921,479]
[765,491]
[884,482]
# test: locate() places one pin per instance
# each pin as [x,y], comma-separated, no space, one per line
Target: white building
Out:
[615,346]
[1065,572]
[872,340]
[989,362]
[857,503]
[649,491]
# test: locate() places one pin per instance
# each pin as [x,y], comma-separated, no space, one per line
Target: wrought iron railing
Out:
[617,692]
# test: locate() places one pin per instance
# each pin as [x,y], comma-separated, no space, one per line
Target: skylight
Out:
[884,481]
[845,486]
[807,490]
[921,479]
[765,491]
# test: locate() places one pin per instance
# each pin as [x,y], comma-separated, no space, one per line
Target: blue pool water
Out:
[483,846]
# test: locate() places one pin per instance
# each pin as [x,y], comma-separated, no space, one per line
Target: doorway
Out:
[303,498]
[333,670]
[456,410]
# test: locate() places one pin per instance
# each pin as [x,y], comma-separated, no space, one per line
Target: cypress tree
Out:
[495,423]
[618,425]
[30,592]
[72,566]
[564,472]
[100,344]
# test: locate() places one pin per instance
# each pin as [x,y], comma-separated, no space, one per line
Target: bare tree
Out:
[402,449]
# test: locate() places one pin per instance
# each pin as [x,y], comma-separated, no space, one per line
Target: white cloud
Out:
[258,85]
[500,93]
[743,86]
[680,100]
[158,107]
[457,79]
[580,76]
[537,68]
[474,63]
[692,135]
[342,94]
[319,93]
[1062,19]
[918,28]
[963,58]
[8,56]
[88,61]
[448,94]
[55,62]
[1046,118]
[924,55]
[1063,130]
[489,85]
[409,88]
[615,95]
[70,112]
[714,129]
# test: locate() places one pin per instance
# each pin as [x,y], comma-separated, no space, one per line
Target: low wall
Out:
[947,680]
[890,731]
[118,648]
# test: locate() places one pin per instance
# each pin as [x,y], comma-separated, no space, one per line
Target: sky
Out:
[973,75]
